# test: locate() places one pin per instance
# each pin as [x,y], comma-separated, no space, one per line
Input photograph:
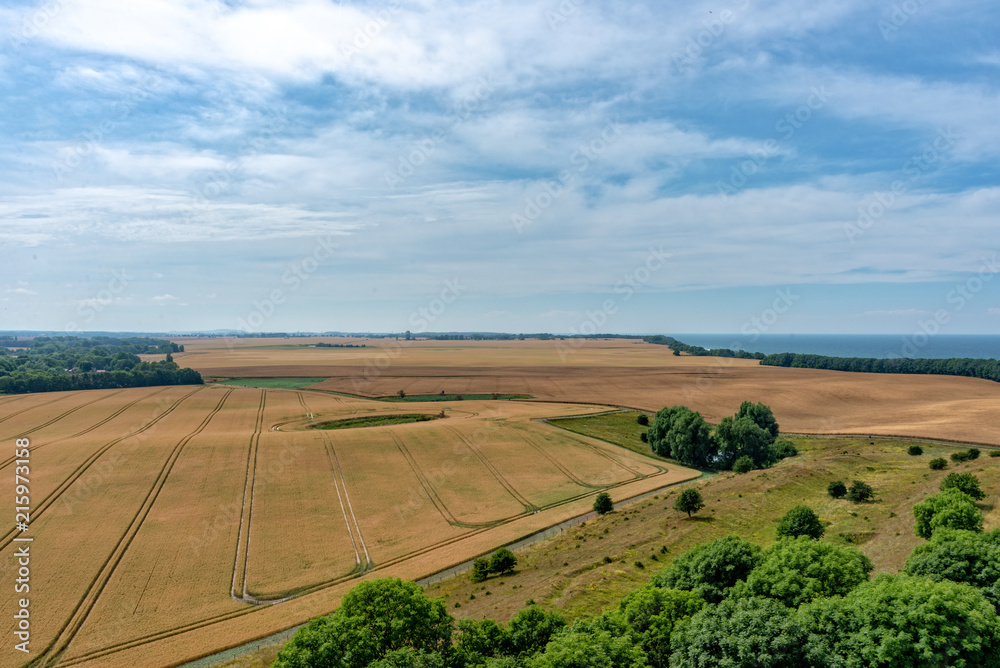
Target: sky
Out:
[568,166]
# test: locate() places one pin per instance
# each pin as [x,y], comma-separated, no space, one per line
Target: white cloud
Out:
[20,291]
[165,299]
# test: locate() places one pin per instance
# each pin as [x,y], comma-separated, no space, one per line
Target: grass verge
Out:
[452,397]
[273,383]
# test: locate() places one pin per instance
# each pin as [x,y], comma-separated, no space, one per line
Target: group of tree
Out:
[749,438]
[800,602]
[501,562]
[51,364]
[859,491]
[976,368]
[677,347]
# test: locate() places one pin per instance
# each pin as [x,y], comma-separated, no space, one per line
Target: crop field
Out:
[629,373]
[173,522]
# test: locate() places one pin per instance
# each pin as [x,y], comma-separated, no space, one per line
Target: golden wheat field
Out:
[625,372]
[171,523]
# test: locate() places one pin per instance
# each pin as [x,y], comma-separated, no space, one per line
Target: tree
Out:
[742,437]
[938,463]
[503,561]
[531,629]
[711,569]
[743,465]
[784,449]
[961,556]
[860,491]
[480,570]
[761,415]
[798,570]
[591,644]
[375,619]
[900,620]
[603,504]
[643,419]
[837,489]
[951,509]
[964,482]
[652,614]
[479,639]
[800,521]
[744,631]
[401,394]
[682,434]
[915,450]
[689,501]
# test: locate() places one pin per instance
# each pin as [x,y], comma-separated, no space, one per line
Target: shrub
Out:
[743,465]
[643,419]
[938,463]
[783,449]
[860,491]
[915,450]
[800,521]
[689,501]
[603,504]
[837,489]
[711,569]
[974,453]
[796,571]
[951,509]
[960,456]
[644,437]
[994,453]
[502,561]
[964,482]
[480,570]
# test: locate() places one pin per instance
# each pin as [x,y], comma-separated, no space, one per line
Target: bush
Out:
[960,456]
[743,465]
[994,453]
[603,504]
[964,482]
[951,509]
[837,489]
[961,556]
[860,491]
[480,570]
[644,437]
[974,453]
[938,463]
[711,569]
[915,450]
[643,419]
[783,449]
[800,521]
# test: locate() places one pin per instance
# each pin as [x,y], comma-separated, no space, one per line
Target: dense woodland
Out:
[50,364]
[698,351]
[976,368]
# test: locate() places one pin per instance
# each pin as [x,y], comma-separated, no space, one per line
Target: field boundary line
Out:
[85,605]
[75,475]
[7,462]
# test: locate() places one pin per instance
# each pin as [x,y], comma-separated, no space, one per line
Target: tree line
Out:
[976,368]
[52,364]
[728,602]
[677,347]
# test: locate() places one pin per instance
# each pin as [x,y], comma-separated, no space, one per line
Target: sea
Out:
[884,346]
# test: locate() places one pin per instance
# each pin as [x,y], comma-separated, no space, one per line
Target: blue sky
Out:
[171,165]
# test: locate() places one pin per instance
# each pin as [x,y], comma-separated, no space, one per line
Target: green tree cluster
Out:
[501,562]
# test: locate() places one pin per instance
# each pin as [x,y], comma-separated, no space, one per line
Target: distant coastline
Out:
[880,346]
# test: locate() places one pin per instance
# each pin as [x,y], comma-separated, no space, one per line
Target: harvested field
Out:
[170,522]
[624,372]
